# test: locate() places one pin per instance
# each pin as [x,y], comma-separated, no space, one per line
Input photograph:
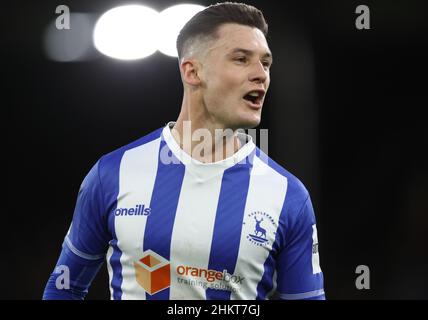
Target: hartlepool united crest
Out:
[262,223]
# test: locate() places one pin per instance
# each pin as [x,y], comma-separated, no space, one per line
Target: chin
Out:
[248,122]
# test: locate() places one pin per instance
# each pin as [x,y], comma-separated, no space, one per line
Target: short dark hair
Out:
[206,22]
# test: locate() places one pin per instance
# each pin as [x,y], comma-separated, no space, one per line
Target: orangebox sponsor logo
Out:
[209,275]
[152,272]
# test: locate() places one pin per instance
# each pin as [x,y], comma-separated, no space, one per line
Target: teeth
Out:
[254,94]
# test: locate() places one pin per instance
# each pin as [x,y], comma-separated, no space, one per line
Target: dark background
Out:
[345,113]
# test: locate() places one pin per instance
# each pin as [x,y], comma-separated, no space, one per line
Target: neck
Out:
[200,136]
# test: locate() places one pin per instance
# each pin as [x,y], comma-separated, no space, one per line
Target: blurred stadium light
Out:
[171,21]
[127,32]
[70,45]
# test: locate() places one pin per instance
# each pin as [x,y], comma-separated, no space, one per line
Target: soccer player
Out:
[176,218]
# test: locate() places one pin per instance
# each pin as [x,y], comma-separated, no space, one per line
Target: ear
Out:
[190,69]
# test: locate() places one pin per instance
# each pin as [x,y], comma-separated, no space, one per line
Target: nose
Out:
[258,73]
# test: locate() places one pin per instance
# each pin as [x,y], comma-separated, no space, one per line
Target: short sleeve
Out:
[299,275]
[88,236]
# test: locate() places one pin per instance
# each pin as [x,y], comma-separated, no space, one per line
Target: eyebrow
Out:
[251,53]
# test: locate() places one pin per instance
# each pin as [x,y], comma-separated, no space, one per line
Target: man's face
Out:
[235,76]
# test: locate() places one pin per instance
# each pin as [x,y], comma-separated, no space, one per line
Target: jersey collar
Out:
[206,170]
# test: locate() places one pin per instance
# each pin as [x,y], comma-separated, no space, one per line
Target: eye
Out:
[266,64]
[241,59]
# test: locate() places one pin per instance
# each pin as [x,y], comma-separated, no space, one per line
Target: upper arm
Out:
[299,275]
[88,235]
[85,244]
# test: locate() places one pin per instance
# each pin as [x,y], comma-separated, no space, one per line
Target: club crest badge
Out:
[260,225]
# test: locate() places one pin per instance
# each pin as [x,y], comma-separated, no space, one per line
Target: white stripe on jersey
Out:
[137,177]
[193,231]
[266,193]
[110,270]
[274,285]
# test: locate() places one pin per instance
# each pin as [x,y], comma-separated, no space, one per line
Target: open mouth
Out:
[255,97]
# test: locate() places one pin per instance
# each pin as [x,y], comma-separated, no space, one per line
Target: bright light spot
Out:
[127,32]
[74,44]
[171,21]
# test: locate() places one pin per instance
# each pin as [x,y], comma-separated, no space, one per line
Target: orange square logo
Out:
[152,272]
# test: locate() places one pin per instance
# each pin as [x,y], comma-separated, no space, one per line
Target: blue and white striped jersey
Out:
[171,227]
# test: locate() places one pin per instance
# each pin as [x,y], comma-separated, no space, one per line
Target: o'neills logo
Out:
[209,275]
[139,210]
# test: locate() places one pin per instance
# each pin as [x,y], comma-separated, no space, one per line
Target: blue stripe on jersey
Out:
[265,285]
[228,223]
[159,225]
[116,281]
[109,176]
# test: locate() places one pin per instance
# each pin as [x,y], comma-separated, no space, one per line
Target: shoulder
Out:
[296,192]
[297,214]
[296,208]
[111,160]
[104,175]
